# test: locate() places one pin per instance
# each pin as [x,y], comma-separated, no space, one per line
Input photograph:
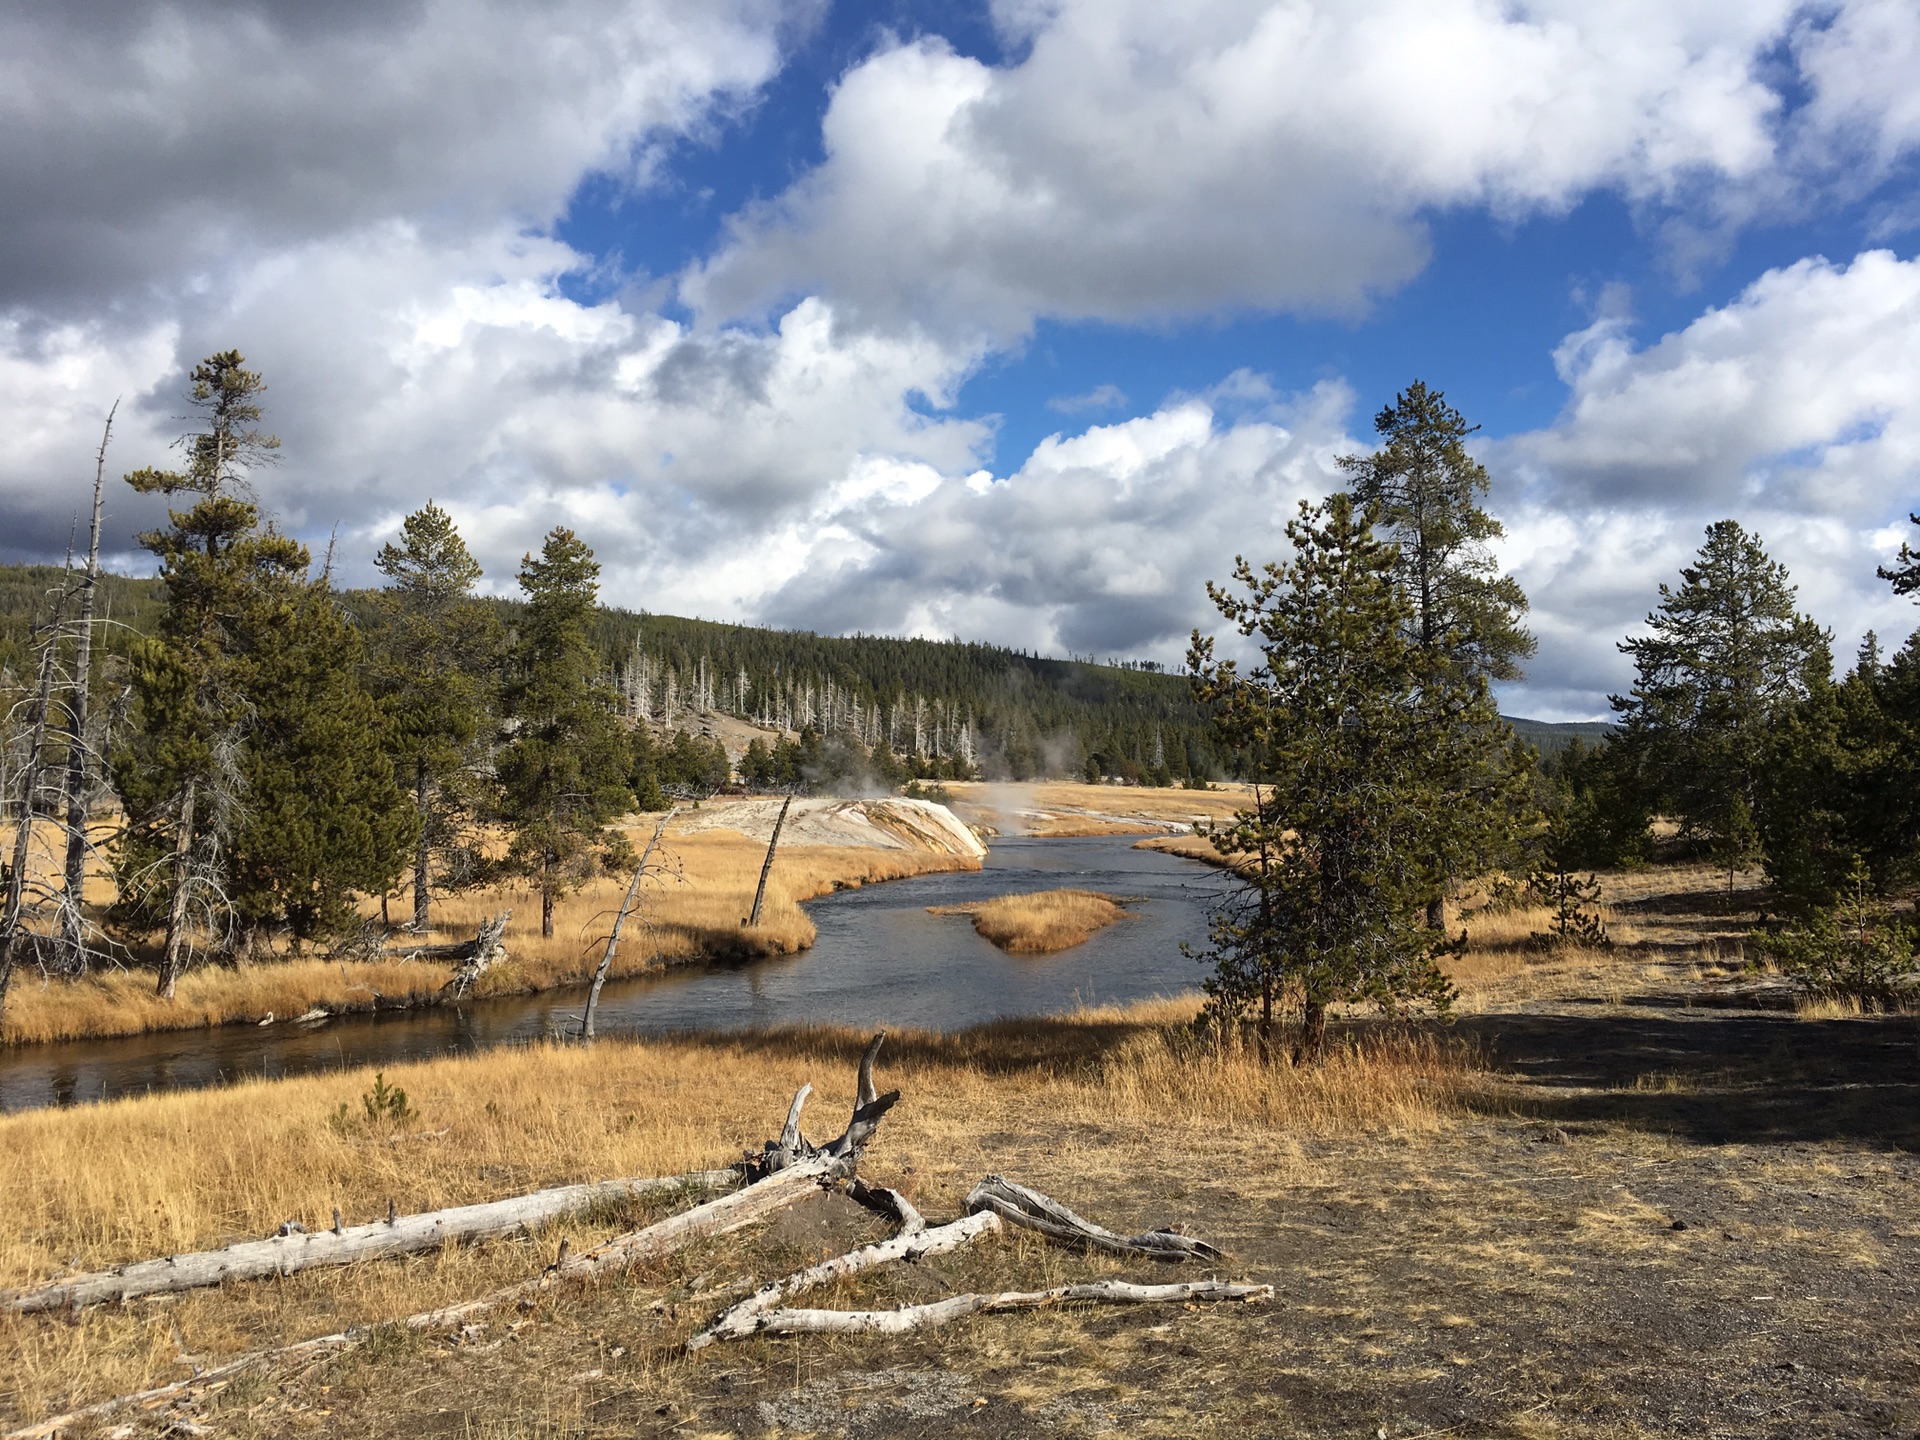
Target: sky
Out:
[1014,320]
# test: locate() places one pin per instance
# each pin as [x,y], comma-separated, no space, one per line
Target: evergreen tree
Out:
[1423,491]
[1905,571]
[1361,736]
[563,775]
[176,773]
[435,668]
[1727,657]
[321,818]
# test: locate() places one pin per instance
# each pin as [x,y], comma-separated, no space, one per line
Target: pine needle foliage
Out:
[563,774]
[1727,655]
[435,665]
[1361,738]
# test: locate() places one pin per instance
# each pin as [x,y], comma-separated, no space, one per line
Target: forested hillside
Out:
[1025,714]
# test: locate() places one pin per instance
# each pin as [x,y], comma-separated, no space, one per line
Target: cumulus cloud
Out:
[1794,409]
[1099,543]
[470,377]
[150,143]
[1277,155]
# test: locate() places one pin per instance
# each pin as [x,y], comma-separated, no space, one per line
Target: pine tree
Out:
[322,819]
[1423,491]
[1360,736]
[435,668]
[1727,656]
[176,774]
[1905,571]
[563,775]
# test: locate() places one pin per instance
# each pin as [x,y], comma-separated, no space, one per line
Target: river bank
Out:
[693,911]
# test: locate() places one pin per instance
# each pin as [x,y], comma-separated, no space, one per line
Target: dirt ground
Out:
[1672,1206]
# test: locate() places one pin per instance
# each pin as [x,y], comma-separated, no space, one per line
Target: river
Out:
[880,960]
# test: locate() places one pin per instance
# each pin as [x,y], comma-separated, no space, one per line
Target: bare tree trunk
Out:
[422,895]
[13,919]
[546,897]
[620,919]
[77,805]
[177,903]
[766,867]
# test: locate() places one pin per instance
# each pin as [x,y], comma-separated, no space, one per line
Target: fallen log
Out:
[958,1307]
[750,1315]
[304,1250]
[717,1217]
[1018,1205]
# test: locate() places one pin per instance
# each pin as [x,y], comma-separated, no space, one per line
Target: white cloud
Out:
[160,140]
[1100,542]
[1136,164]
[1795,409]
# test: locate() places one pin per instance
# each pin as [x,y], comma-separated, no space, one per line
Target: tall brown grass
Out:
[129,1179]
[1040,922]
[694,909]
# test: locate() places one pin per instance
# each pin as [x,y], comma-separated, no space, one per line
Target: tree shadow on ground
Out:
[1717,1078]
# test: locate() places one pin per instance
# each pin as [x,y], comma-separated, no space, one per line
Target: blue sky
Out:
[1012,321]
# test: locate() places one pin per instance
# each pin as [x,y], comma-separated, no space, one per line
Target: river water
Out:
[880,960]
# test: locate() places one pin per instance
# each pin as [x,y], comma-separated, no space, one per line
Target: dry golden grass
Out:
[1041,922]
[129,1179]
[695,910]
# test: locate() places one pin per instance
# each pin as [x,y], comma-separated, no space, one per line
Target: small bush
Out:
[1855,948]
[1568,896]
[383,1106]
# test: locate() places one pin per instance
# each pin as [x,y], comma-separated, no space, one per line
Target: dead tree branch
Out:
[958,1307]
[1021,1206]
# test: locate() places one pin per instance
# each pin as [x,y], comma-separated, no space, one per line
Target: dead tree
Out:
[476,957]
[766,866]
[14,935]
[78,779]
[620,919]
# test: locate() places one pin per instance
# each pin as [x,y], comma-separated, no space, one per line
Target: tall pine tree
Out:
[176,773]
[1726,656]
[435,666]
[1423,491]
[563,775]
[1360,736]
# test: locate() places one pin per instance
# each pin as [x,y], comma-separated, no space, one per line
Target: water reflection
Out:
[880,960]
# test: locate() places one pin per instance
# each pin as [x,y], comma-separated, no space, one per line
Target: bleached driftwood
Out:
[749,1316]
[476,957]
[1021,1206]
[303,1250]
[958,1307]
[717,1217]
[890,1203]
[793,1147]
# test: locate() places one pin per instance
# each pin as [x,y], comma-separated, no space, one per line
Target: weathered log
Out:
[890,1203]
[748,1316]
[958,1307]
[1021,1206]
[717,1217]
[297,1249]
[793,1147]
[483,952]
